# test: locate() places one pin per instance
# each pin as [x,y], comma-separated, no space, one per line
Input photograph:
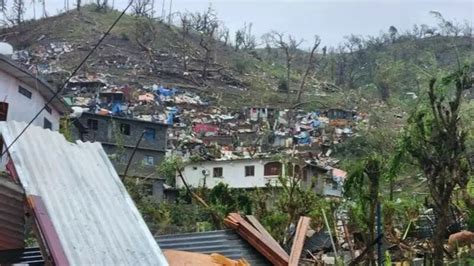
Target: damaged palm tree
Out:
[436,139]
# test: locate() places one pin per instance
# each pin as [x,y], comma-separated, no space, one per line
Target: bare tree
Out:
[309,67]
[289,46]
[224,35]
[185,24]
[447,27]
[142,7]
[101,5]
[18,11]
[3,6]
[206,25]
[244,39]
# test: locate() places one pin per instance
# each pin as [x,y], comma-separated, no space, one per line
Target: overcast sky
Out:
[330,19]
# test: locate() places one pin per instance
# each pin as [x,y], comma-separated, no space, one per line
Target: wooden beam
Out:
[46,229]
[256,239]
[298,241]
[264,232]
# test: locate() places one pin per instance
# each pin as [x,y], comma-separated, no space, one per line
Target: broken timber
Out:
[270,250]
[298,242]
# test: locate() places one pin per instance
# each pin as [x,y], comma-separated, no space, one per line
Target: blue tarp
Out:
[116,107]
[165,92]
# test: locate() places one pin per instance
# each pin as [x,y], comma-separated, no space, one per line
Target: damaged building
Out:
[121,137]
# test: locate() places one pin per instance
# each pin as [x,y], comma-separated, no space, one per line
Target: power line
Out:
[69,78]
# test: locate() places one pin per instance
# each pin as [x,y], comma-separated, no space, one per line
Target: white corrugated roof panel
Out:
[92,213]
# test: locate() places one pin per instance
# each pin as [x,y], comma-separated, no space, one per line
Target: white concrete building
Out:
[239,173]
[22,95]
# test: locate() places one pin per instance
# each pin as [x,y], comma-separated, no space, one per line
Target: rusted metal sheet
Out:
[12,221]
[95,218]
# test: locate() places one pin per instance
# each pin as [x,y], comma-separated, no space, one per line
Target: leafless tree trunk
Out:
[185,25]
[289,47]
[18,10]
[206,24]
[309,67]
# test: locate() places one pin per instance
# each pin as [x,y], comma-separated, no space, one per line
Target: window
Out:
[3,111]
[217,172]
[47,108]
[148,160]
[150,134]
[249,170]
[92,124]
[125,129]
[272,169]
[47,124]
[25,92]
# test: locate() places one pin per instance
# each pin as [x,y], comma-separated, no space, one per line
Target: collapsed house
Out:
[78,206]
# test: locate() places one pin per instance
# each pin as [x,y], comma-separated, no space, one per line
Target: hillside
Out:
[123,59]
[140,52]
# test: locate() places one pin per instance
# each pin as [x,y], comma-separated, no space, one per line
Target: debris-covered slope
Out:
[138,52]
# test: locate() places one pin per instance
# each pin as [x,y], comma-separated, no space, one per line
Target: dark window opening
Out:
[272,169]
[48,109]
[92,124]
[25,92]
[125,129]
[150,134]
[250,170]
[3,111]
[148,160]
[47,124]
[217,172]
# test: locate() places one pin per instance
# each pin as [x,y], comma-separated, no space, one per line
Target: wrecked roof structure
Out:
[81,208]
[224,242]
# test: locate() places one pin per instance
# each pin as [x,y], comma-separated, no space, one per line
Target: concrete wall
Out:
[138,167]
[233,174]
[108,131]
[22,108]
[119,146]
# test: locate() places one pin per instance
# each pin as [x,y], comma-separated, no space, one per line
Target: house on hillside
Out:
[237,173]
[324,180]
[22,95]
[120,135]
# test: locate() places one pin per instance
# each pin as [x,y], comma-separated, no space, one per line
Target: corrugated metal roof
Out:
[224,242]
[12,220]
[91,211]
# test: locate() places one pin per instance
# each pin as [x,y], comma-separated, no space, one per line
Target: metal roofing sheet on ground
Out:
[91,211]
[224,242]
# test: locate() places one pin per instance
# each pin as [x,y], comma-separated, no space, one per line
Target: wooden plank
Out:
[47,230]
[264,232]
[256,239]
[298,241]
